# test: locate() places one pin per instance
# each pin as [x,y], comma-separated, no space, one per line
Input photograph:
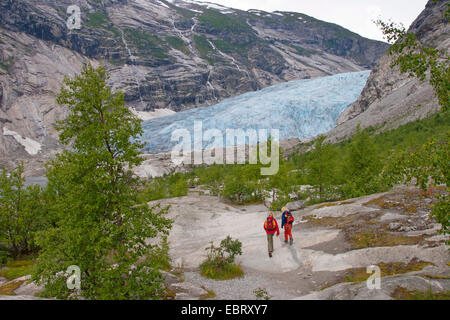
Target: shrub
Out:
[22,213]
[219,263]
[261,294]
[4,255]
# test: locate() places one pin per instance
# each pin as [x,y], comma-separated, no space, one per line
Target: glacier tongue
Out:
[299,109]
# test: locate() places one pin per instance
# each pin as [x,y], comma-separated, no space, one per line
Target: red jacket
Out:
[275,223]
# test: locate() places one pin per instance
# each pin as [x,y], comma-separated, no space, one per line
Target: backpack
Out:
[270,224]
[289,218]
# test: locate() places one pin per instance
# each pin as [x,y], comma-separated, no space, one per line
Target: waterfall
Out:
[133,60]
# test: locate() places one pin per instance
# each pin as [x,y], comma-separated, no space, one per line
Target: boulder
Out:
[394,226]
[20,297]
[169,278]
[189,288]
[296,205]
[28,289]
[183,296]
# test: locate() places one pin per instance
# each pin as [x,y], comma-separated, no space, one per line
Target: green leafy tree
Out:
[362,166]
[282,184]
[240,184]
[100,225]
[429,164]
[320,169]
[21,212]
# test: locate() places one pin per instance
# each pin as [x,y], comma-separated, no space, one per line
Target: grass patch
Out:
[401,293]
[224,23]
[436,277]
[219,264]
[369,239]
[303,51]
[160,258]
[384,203]
[100,20]
[229,47]
[4,66]
[7,64]
[387,269]
[8,289]
[359,275]
[179,272]
[97,19]
[381,202]
[169,186]
[146,43]
[169,294]
[17,268]
[261,294]
[204,48]
[178,44]
[225,272]
[210,295]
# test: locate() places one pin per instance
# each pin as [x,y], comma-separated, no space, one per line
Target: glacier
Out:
[298,109]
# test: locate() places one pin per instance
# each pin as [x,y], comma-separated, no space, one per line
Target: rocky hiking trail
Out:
[333,245]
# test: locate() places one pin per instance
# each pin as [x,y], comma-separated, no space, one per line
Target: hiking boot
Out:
[291,242]
[285,241]
[270,254]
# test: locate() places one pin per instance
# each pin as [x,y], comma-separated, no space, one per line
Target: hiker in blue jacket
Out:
[287,220]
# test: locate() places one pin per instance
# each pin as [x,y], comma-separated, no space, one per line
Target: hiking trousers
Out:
[270,242]
[287,231]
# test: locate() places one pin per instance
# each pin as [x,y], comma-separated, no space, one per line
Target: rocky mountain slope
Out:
[391,98]
[165,55]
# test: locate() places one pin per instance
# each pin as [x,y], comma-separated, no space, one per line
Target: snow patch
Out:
[198,11]
[210,5]
[163,4]
[31,146]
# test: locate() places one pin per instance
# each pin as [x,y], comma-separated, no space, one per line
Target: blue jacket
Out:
[284,219]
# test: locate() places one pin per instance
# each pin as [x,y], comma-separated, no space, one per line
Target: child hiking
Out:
[271,226]
[287,221]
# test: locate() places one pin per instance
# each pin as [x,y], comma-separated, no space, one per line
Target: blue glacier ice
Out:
[299,109]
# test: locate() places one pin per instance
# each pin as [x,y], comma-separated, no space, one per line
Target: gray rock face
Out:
[176,55]
[430,278]
[189,290]
[20,297]
[169,278]
[394,226]
[28,289]
[29,89]
[390,97]
[296,205]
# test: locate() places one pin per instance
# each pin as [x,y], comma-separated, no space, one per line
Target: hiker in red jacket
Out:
[271,226]
[287,220]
